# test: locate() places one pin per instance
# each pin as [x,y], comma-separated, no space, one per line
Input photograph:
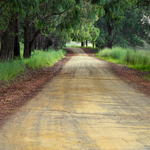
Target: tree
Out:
[48,16]
[94,32]
[7,29]
[29,21]
[35,17]
[85,31]
[123,29]
[17,39]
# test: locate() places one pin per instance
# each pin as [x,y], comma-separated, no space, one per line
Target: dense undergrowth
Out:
[136,59]
[9,70]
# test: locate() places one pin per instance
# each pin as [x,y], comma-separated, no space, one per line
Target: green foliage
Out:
[122,26]
[84,29]
[136,59]
[94,33]
[64,20]
[86,32]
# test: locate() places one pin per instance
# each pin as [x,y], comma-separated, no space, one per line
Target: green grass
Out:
[43,59]
[9,70]
[137,59]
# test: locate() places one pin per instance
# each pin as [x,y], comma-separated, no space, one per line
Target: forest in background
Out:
[40,24]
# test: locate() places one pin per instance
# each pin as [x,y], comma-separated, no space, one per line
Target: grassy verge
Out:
[136,59]
[9,70]
[43,59]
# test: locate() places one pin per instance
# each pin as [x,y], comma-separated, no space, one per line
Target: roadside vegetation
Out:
[136,59]
[51,24]
[9,70]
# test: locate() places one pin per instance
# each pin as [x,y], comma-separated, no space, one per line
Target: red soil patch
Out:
[18,93]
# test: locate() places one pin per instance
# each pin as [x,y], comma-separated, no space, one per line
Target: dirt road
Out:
[85,107]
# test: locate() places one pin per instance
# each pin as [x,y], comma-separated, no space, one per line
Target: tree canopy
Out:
[44,23]
[124,27]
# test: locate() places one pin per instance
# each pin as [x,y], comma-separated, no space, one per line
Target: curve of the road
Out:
[85,107]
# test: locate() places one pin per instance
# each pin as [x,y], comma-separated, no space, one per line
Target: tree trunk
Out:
[54,44]
[82,44]
[44,43]
[16,43]
[0,45]
[31,43]
[93,44]
[102,47]
[28,39]
[7,42]
[109,43]
[86,43]
[26,53]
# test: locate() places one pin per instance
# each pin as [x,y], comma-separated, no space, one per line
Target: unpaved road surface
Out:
[85,107]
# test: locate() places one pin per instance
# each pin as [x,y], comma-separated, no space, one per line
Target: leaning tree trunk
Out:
[16,43]
[31,43]
[7,42]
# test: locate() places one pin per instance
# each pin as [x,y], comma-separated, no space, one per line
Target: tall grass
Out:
[43,59]
[9,70]
[134,58]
